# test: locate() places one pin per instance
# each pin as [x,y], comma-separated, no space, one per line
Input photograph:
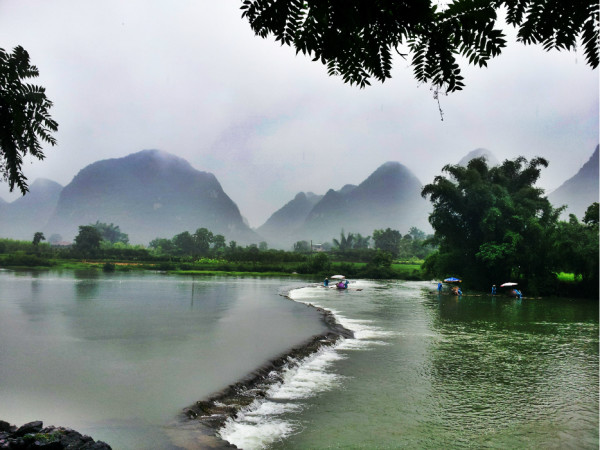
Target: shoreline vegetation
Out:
[567,284]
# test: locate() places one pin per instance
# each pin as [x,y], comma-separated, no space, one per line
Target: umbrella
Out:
[508,284]
[337,277]
[451,280]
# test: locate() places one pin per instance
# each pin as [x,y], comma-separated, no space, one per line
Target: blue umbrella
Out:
[451,280]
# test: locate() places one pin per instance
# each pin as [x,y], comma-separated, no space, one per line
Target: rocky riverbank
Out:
[34,435]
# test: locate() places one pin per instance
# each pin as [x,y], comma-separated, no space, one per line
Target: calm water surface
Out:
[119,356]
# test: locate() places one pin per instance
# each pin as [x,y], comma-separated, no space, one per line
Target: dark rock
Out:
[31,427]
[32,436]
[5,426]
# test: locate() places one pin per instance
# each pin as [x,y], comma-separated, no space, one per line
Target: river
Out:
[118,356]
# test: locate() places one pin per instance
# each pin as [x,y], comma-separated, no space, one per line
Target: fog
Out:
[190,78]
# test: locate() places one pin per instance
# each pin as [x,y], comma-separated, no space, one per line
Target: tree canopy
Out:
[111,233]
[24,116]
[493,225]
[87,242]
[357,39]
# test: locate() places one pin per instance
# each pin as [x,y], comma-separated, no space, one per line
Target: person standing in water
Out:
[439,287]
[494,289]
[326,282]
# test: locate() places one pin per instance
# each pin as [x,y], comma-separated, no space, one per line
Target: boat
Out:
[341,282]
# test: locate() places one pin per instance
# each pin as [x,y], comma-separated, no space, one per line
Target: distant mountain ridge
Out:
[289,217]
[389,197]
[149,194]
[579,191]
[24,216]
[478,153]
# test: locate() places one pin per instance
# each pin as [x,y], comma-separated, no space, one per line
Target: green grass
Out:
[568,277]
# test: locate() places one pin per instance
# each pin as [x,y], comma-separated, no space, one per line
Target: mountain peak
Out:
[149,194]
[478,153]
[579,191]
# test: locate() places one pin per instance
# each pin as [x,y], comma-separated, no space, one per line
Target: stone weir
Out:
[211,414]
[33,435]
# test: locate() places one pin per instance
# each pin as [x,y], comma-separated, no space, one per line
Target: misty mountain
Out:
[477,153]
[389,197]
[148,194]
[579,191]
[280,226]
[21,218]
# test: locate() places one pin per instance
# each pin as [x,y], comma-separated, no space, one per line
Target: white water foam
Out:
[260,424]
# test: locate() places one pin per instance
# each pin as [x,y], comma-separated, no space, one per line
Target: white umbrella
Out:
[337,277]
[508,284]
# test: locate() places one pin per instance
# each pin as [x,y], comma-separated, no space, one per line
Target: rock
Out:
[31,436]
[31,427]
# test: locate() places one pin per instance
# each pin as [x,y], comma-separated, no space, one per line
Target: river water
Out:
[119,356]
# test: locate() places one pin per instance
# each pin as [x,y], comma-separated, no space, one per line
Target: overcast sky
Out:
[190,78]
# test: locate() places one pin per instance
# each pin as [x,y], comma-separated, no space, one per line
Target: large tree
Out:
[357,39]
[87,242]
[492,224]
[576,245]
[388,240]
[111,233]
[24,116]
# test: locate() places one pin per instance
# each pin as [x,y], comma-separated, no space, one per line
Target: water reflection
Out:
[502,362]
[90,350]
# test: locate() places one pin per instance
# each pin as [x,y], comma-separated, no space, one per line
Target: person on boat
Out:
[340,285]
[326,282]
[494,289]
[440,287]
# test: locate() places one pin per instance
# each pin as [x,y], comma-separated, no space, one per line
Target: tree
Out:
[219,242]
[111,233]
[357,39]
[387,240]
[24,117]
[345,242]
[263,246]
[37,237]
[590,217]
[416,234]
[163,246]
[87,242]
[302,247]
[576,247]
[202,240]
[184,243]
[492,224]
[361,241]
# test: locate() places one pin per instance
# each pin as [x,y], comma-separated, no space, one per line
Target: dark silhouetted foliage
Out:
[24,117]
[357,39]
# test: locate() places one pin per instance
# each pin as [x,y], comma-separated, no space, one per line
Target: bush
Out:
[22,260]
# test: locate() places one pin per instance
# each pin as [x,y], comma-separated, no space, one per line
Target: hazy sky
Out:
[190,78]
